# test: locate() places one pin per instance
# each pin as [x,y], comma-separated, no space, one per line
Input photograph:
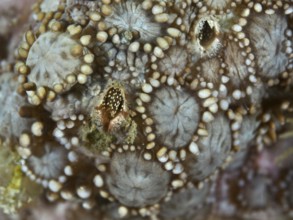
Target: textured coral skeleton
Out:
[148,109]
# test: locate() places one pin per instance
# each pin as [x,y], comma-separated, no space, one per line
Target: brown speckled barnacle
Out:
[232,60]
[54,61]
[100,119]
[134,178]
[113,115]
[112,107]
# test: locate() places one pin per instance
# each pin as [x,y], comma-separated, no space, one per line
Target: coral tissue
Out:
[147,109]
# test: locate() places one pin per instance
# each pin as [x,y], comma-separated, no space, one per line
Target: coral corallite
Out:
[150,109]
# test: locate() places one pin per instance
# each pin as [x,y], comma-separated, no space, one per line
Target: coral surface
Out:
[147,109]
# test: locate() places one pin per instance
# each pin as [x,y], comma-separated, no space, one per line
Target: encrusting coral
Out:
[149,109]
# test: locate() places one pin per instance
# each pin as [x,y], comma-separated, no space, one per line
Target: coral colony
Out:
[149,109]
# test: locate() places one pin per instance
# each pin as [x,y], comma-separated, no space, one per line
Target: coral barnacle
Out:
[206,36]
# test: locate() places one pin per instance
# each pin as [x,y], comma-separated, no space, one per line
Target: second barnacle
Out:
[111,119]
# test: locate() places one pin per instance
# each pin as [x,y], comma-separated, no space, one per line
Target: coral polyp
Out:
[132,20]
[150,109]
[49,55]
[171,111]
[212,151]
[266,36]
[136,182]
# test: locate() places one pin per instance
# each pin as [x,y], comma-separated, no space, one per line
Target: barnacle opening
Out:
[206,33]
[113,102]
[111,110]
